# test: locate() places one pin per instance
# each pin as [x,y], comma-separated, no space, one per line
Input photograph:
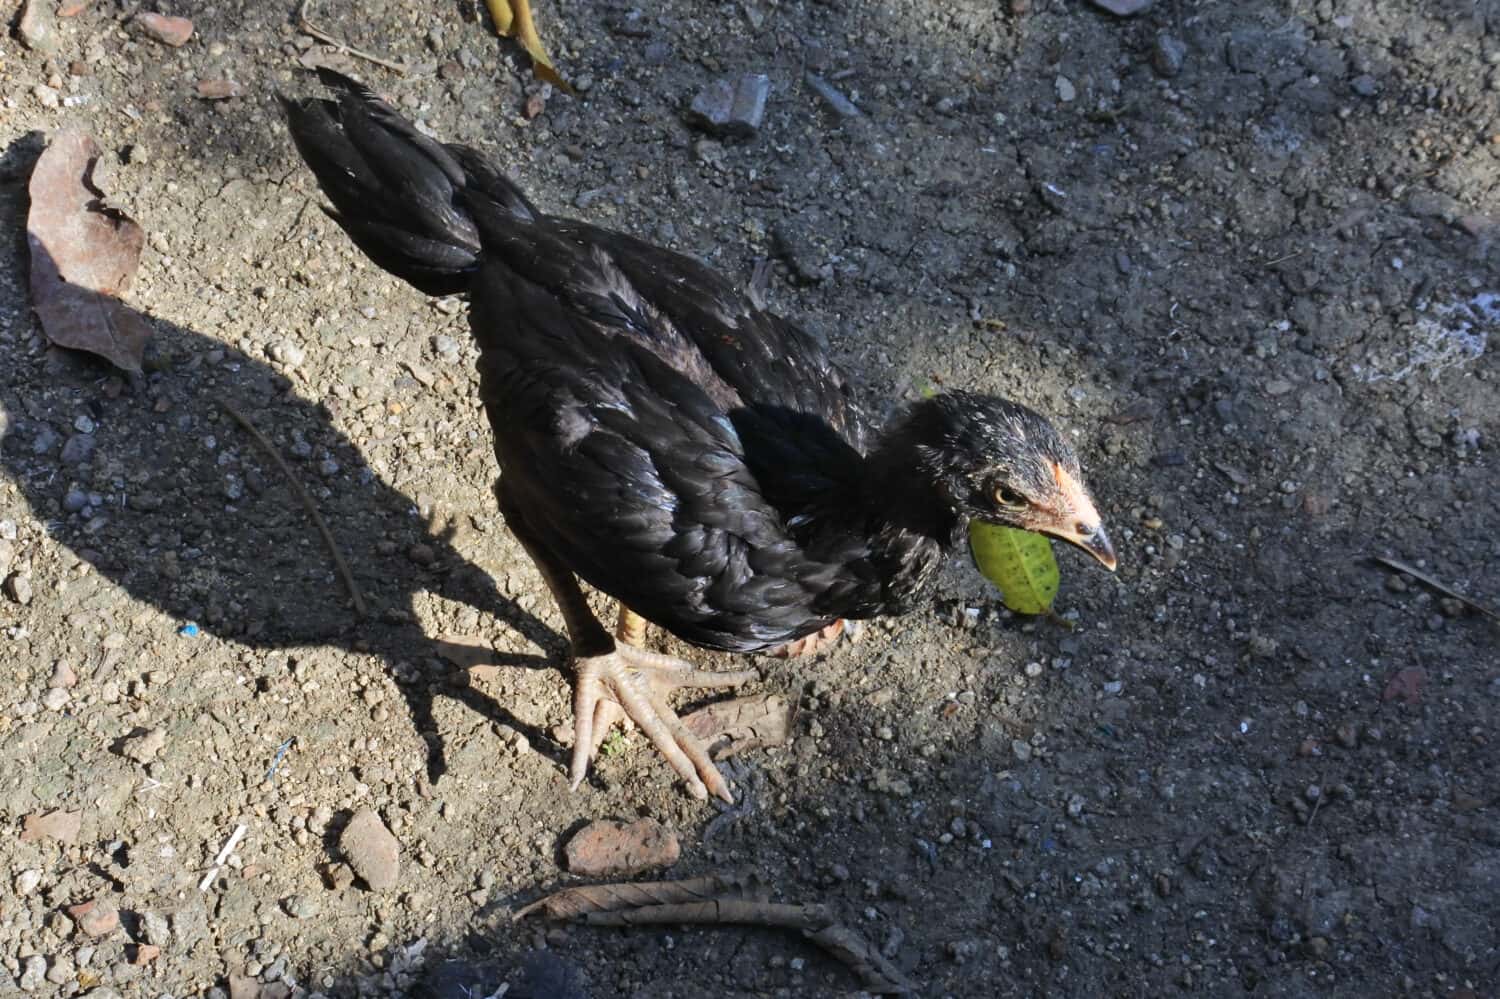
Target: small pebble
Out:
[731,109]
[301,906]
[1167,55]
[18,588]
[143,748]
[173,31]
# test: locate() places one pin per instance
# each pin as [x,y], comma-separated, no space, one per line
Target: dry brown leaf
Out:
[727,728]
[513,20]
[83,255]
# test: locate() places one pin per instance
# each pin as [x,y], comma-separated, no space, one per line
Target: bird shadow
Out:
[150,481]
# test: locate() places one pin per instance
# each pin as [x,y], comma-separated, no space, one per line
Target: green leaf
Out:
[1020,563]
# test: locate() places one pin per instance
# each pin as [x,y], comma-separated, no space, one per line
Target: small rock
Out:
[421,554]
[217,90]
[337,876]
[62,971]
[1066,92]
[46,96]
[607,848]
[143,747]
[61,826]
[78,449]
[75,500]
[36,28]
[33,973]
[1364,85]
[1123,8]
[1167,55]
[155,928]
[173,31]
[18,588]
[731,109]
[44,440]
[1022,749]
[97,918]
[374,854]
[27,881]
[145,954]
[301,906]
[56,699]
[287,352]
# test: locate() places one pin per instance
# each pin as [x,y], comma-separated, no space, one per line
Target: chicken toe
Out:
[634,683]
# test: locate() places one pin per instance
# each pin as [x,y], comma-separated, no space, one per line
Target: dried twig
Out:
[1281,259]
[233,841]
[308,28]
[307,504]
[577,903]
[722,901]
[1432,584]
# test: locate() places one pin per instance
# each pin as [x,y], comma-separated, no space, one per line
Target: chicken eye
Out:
[1008,497]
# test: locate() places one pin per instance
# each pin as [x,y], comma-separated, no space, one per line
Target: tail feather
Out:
[400,195]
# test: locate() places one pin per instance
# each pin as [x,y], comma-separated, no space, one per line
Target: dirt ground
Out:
[1245,252]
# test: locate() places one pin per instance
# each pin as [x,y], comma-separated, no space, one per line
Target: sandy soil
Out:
[1243,251]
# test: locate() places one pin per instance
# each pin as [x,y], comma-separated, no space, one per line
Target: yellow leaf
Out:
[1019,562]
[513,20]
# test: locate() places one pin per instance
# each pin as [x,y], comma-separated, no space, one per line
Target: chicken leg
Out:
[614,680]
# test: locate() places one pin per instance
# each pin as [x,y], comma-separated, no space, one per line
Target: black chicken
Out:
[669,441]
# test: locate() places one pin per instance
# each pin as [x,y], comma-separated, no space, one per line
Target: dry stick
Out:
[814,921]
[721,900]
[1431,583]
[307,504]
[308,28]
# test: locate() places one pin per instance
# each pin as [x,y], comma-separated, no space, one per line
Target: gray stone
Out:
[731,109]
[33,973]
[18,588]
[1167,55]
[154,925]
[37,29]
[78,449]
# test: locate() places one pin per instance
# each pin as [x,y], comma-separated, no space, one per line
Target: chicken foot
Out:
[613,680]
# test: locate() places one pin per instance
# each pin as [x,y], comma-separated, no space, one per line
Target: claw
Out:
[631,684]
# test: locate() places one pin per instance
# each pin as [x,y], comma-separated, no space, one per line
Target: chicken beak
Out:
[1084,528]
[1098,545]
